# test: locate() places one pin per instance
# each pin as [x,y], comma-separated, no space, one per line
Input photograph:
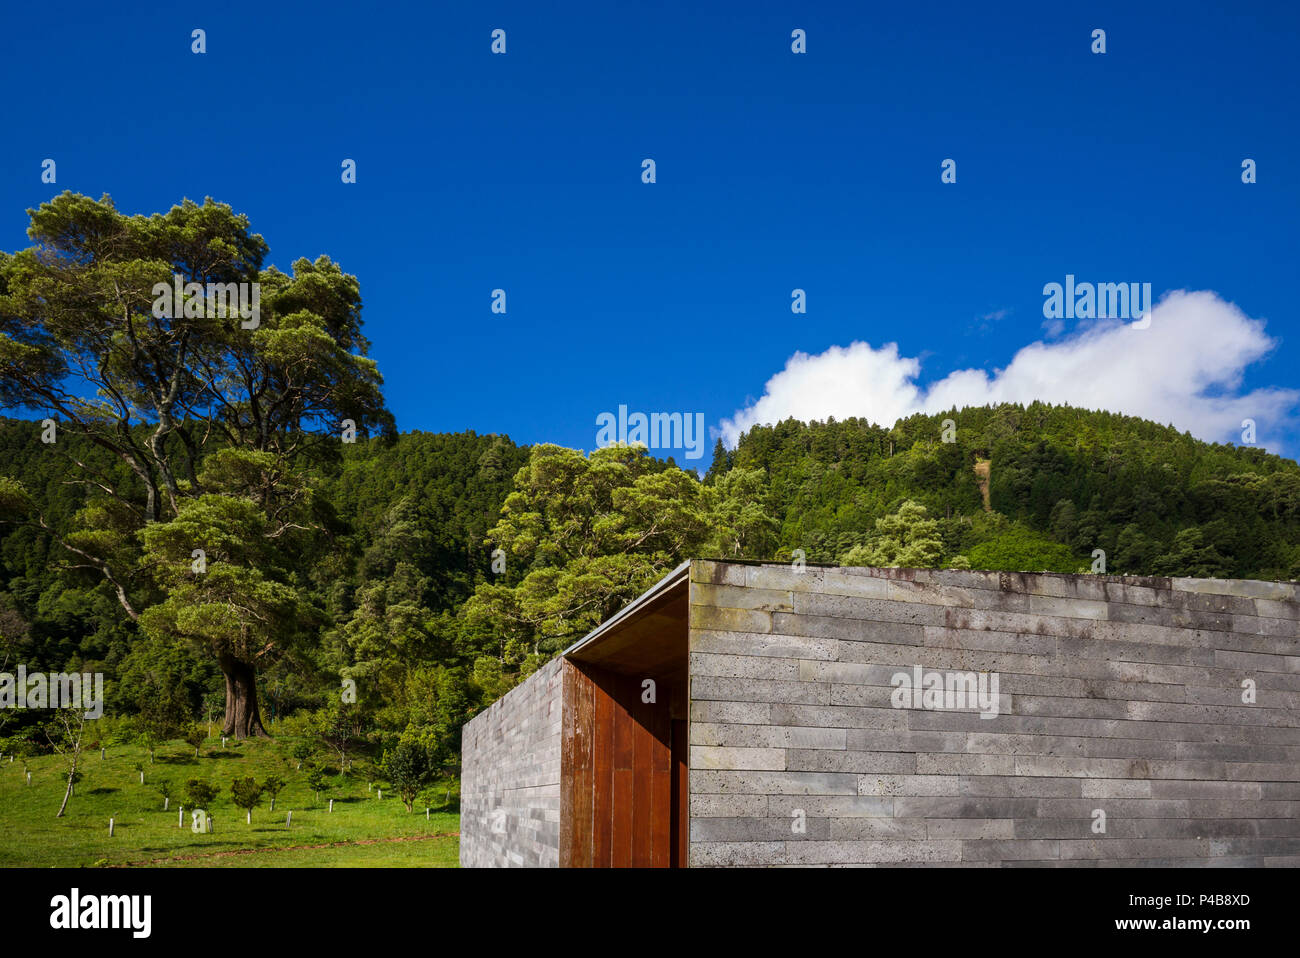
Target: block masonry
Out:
[1138,720]
[1166,711]
[510,781]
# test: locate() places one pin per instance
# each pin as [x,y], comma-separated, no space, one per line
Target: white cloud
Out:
[1185,369]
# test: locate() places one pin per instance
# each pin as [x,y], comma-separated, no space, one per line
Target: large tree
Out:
[581,536]
[907,539]
[82,343]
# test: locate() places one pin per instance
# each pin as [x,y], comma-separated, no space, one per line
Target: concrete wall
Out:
[510,777]
[1117,695]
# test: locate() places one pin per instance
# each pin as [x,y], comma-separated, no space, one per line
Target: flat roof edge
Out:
[679,574]
[1254,588]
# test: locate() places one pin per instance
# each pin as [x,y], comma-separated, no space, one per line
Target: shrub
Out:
[199,794]
[409,768]
[246,792]
[316,781]
[272,786]
[196,735]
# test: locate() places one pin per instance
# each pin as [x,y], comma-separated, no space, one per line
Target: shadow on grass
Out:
[103,790]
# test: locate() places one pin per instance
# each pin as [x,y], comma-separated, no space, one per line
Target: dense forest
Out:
[195,525]
[1061,483]
[405,601]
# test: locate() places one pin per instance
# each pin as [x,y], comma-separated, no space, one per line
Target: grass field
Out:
[362,831]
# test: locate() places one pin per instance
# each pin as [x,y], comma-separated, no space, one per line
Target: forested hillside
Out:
[408,521]
[407,604]
[219,514]
[1062,483]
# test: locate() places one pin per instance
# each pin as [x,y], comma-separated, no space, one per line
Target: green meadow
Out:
[364,830]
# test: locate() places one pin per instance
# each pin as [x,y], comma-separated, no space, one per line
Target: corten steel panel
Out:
[661,785]
[643,797]
[603,782]
[679,831]
[617,796]
[577,776]
[621,803]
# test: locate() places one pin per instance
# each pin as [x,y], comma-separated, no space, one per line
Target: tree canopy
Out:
[180,509]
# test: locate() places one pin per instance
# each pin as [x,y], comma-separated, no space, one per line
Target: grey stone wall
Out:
[510,777]
[1117,696]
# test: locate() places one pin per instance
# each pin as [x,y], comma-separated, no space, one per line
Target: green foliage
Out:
[409,767]
[163,683]
[372,562]
[742,521]
[198,793]
[583,536]
[196,735]
[1062,477]
[1191,555]
[272,785]
[148,738]
[342,730]
[442,794]
[361,833]
[442,700]
[119,730]
[404,602]
[317,781]
[905,539]
[15,503]
[245,792]
[1020,549]
[216,422]
[237,605]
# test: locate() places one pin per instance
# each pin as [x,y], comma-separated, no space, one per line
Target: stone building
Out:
[759,714]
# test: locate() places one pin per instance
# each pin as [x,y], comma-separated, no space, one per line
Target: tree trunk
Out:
[67,794]
[75,745]
[243,719]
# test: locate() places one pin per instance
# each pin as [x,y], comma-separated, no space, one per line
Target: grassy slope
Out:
[377,833]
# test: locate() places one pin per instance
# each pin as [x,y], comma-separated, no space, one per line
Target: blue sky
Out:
[775,171]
